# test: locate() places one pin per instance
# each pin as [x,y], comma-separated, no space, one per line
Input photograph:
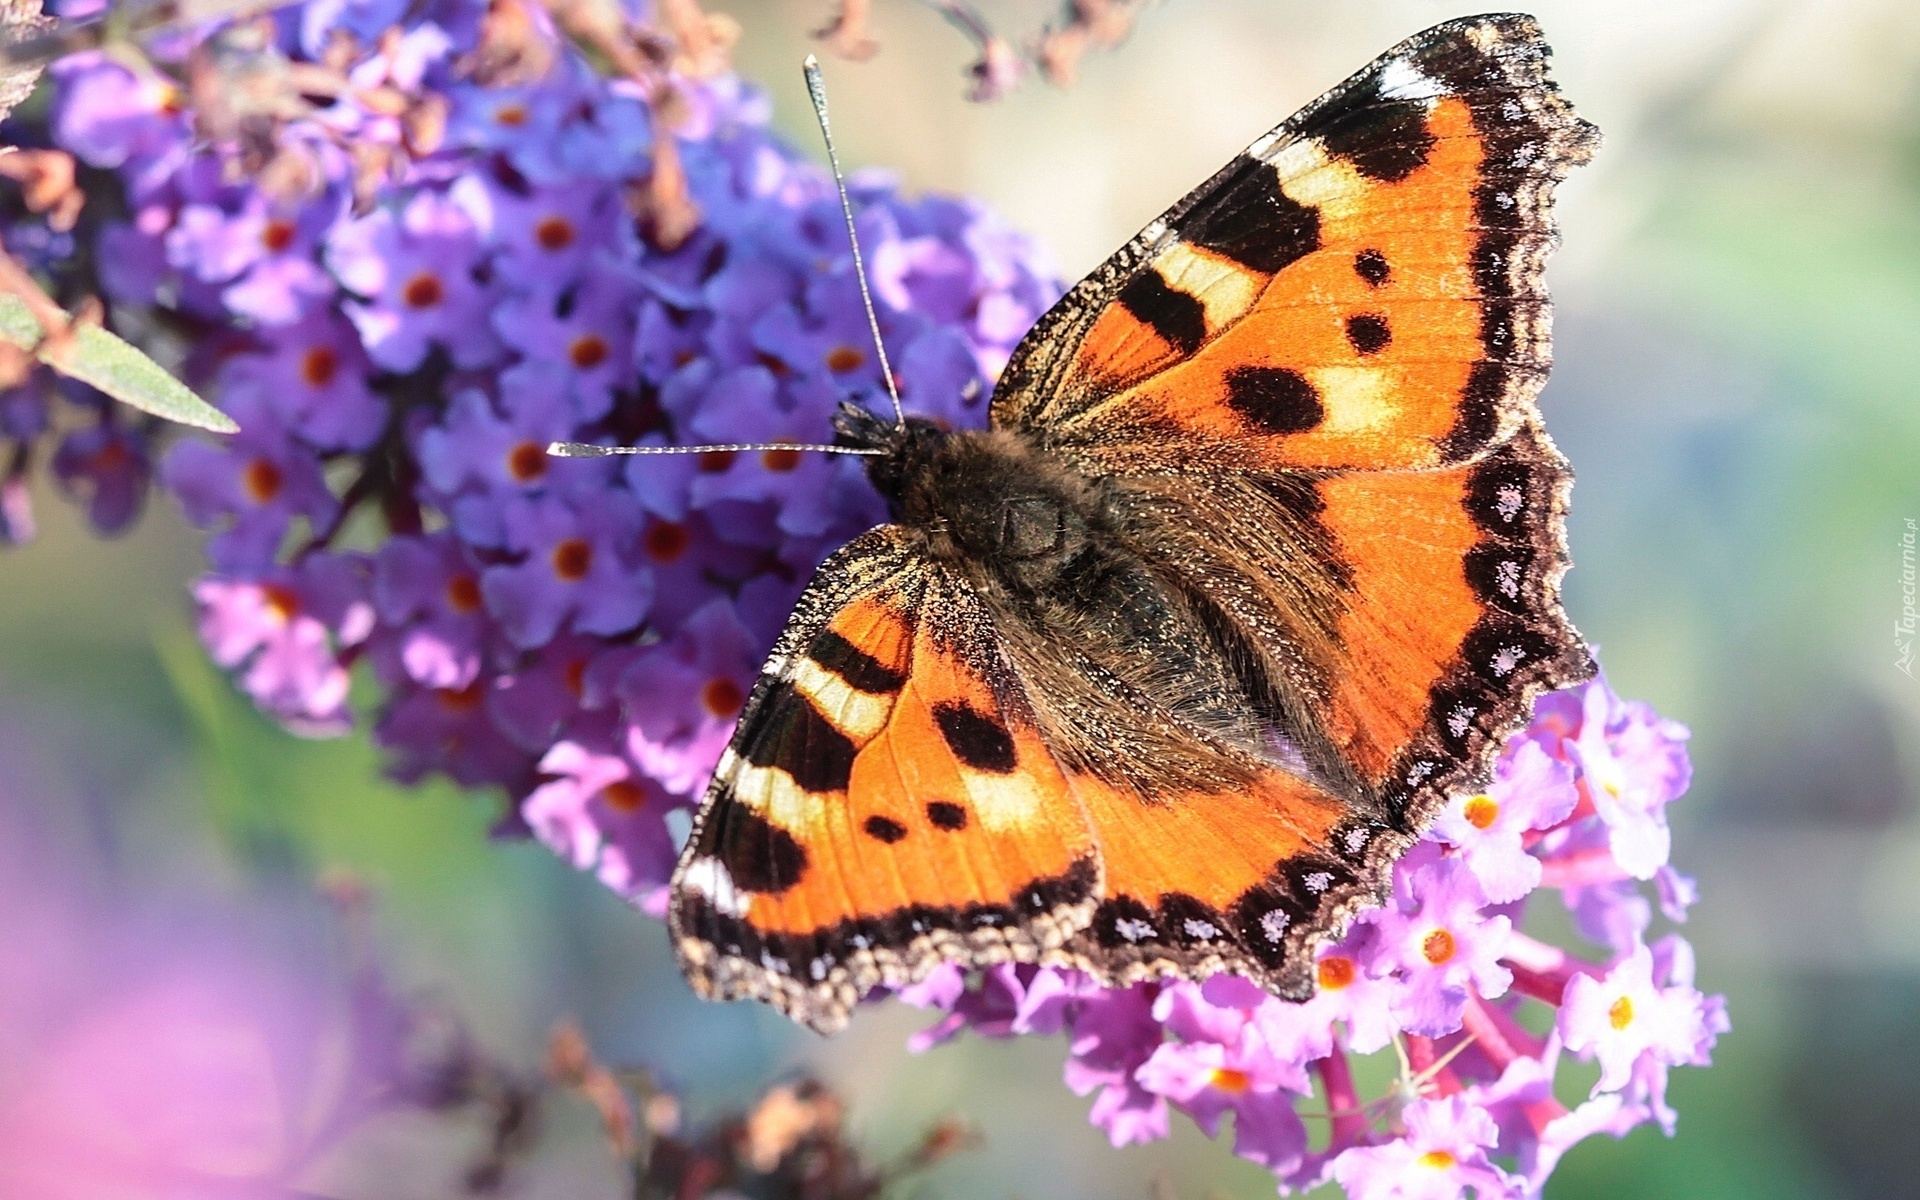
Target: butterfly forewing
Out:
[1361,288]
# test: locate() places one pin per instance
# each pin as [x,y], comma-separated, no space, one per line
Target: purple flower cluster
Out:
[1477,1011]
[402,329]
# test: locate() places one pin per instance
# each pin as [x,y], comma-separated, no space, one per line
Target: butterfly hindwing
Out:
[886,805]
[1360,289]
[1243,879]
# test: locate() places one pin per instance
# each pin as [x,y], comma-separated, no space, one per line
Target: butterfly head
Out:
[907,446]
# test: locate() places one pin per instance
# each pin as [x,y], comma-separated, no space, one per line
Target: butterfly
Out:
[1257,562]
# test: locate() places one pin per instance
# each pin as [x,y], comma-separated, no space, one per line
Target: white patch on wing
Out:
[852,712]
[1311,176]
[1274,925]
[773,794]
[708,877]
[1224,290]
[1355,399]
[1003,802]
[1401,80]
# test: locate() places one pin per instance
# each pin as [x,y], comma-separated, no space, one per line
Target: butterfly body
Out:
[1257,562]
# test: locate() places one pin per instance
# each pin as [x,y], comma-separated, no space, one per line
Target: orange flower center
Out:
[110,457]
[511,115]
[1621,1014]
[1439,1160]
[713,462]
[319,365]
[845,358]
[1482,811]
[588,351]
[1438,947]
[1229,1080]
[1336,972]
[554,233]
[277,235]
[722,697]
[263,480]
[572,559]
[780,460]
[624,796]
[463,594]
[423,291]
[461,700]
[527,462]
[282,600]
[667,540]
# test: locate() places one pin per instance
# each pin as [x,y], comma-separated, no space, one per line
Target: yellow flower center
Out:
[1229,1080]
[1482,811]
[1439,1160]
[1621,1014]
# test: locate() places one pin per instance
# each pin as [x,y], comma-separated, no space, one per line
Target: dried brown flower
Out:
[846,33]
[46,179]
[512,49]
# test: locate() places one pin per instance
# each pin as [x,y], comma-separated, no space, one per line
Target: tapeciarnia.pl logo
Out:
[1903,629]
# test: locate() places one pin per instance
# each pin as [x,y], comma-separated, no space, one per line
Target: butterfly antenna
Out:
[817,92]
[589,450]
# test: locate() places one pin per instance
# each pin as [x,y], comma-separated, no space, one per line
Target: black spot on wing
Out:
[947,815]
[794,737]
[1505,490]
[884,829]
[862,671]
[1123,921]
[1501,573]
[1478,417]
[1247,218]
[1263,916]
[1372,266]
[759,855]
[1385,140]
[1368,333]
[1188,922]
[1179,319]
[976,739]
[1274,399]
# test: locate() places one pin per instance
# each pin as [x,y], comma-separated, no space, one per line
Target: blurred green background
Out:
[1738,343]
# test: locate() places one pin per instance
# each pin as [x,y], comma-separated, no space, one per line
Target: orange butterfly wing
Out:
[1360,289]
[1307,392]
[886,805]
[1340,336]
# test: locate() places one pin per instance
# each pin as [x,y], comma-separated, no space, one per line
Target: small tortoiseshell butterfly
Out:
[1257,562]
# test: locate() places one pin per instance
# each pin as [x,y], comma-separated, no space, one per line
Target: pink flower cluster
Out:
[1477,1012]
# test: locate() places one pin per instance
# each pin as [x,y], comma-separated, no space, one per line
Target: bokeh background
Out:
[1738,343]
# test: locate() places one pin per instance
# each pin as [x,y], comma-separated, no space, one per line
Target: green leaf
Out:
[97,357]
